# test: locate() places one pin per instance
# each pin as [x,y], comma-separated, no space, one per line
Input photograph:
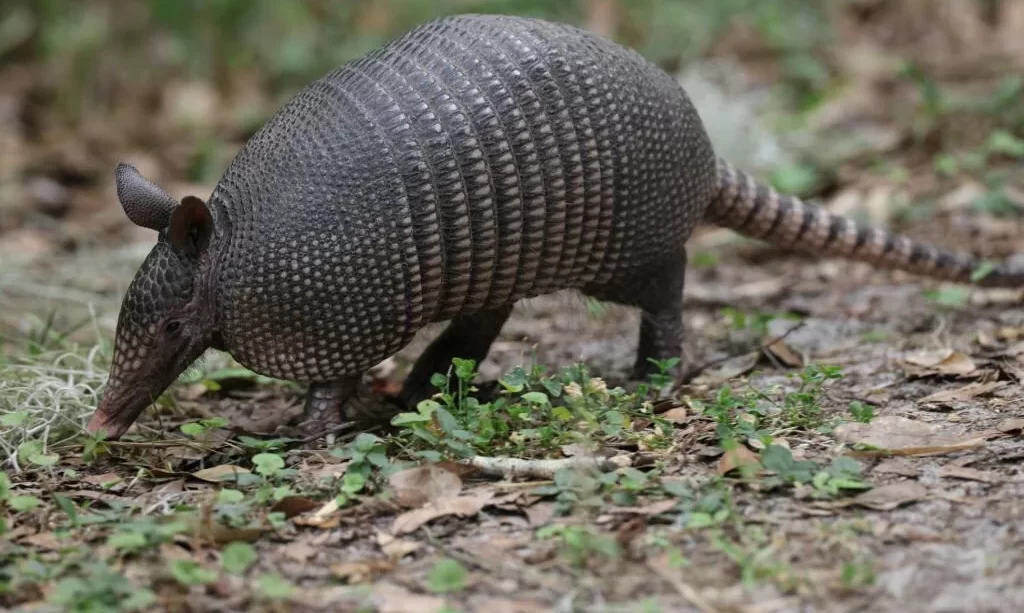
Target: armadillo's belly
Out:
[469,164]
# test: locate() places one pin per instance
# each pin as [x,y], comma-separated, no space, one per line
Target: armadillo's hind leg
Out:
[659,296]
[467,336]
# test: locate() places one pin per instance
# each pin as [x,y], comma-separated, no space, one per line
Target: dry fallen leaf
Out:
[1009,426]
[736,457]
[490,603]
[895,435]
[45,541]
[109,499]
[362,571]
[391,598]
[204,527]
[897,466]
[888,497]
[540,514]
[324,517]
[971,474]
[675,415]
[729,369]
[944,362]
[961,394]
[650,510]
[221,473]
[785,354]
[396,548]
[299,551]
[462,506]
[294,505]
[104,480]
[414,487]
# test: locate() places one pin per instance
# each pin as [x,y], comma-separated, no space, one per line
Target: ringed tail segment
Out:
[757,211]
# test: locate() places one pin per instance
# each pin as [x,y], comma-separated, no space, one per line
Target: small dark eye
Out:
[172,327]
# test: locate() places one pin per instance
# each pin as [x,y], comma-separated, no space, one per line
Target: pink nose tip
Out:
[99,424]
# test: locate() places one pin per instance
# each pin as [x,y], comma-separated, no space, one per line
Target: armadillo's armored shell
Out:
[475,161]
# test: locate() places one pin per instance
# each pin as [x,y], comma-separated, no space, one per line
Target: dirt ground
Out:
[688,509]
[942,530]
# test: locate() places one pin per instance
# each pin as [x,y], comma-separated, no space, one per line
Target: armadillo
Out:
[471,163]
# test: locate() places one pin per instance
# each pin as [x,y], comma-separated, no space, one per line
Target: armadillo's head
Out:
[166,319]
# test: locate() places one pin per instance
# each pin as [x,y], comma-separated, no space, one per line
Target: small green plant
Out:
[100,589]
[18,503]
[662,378]
[272,472]
[857,574]
[447,576]
[263,445]
[841,476]
[190,572]
[756,558]
[33,452]
[948,296]
[366,453]
[579,543]
[144,533]
[709,506]
[802,409]
[275,587]
[533,413]
[238,556]
[874,336]
[756,413]
[201,427]
[268,465]
[703,259]
[574,489]
[861,412]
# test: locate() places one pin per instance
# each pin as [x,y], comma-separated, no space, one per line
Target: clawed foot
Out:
[338,407]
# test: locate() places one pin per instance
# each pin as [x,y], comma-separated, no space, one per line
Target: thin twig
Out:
[684,589]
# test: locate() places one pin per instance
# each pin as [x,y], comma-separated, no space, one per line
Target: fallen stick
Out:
[542,468]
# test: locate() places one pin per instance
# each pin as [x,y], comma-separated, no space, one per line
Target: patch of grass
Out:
[952,297]
[760,414]
[99,587]
[447,576]
[365,454]
[581,491]
[48,390]
[534,414]
[861,412]
[756,555]
[581,543]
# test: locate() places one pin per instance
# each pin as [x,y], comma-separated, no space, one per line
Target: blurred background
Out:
[906,113]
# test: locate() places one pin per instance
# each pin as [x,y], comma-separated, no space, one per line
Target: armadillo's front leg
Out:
[467,336]
[323,411]
[332,404]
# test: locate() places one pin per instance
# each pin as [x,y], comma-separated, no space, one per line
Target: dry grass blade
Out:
[48,396]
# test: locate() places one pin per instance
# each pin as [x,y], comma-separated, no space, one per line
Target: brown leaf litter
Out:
[897,435]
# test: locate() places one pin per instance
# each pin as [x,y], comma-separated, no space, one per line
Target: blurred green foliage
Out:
[88,44]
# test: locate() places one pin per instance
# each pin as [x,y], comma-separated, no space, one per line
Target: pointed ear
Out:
[191,225]
[145,203]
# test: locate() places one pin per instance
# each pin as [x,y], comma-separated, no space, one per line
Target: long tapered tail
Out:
[757,211]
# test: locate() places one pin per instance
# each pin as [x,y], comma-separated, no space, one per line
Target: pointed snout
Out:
[116,414]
